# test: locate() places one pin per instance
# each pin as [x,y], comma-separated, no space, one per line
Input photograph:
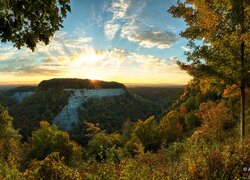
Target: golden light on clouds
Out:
[122,66]
[76,59]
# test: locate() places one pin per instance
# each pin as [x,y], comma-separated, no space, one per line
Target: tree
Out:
[28,22]
[222,26]
[216,120]
[52,167]
[9,146]
[148,134]
[49,139]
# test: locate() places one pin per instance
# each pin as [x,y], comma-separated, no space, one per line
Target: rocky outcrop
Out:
[68,117]
[20,96]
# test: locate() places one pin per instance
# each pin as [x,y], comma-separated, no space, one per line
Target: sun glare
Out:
[93,77]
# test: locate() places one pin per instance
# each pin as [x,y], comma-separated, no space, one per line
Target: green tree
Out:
[49,139]
[192,121]
[101,142]
[172,126]
[9,146]
[28,22]
[148,134]
[222,26]
[52,167]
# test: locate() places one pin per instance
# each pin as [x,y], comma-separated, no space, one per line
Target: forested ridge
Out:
[196,138]
[74,83]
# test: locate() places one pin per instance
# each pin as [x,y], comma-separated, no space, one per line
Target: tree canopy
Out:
[222,50]
[25,22]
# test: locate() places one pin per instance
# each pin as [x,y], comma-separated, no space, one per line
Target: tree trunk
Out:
[243,80]
[242,91]
[243,107]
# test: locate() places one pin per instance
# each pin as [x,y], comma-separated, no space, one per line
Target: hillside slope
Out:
[63,104]
[163,96]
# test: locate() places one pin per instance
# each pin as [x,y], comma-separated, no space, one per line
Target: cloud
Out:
[111,29]
[148,36]
[73,56]
[185,48]
[46,60]
[121,63]
[128,20]
[119,8]
[41,70]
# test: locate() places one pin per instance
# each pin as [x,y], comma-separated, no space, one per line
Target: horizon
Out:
[113,40]
[13,85]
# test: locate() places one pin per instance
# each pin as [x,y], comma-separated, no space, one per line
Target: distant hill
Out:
[163,96]
[65,83]
[12,91]
[70,102]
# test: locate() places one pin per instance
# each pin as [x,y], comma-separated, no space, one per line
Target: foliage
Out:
[8,172]
[9,139]
[197,143]
[164,96]
[172,126]
[28,22]
[100,143]
[223,50]
[6,100]
[192,121]
[71,83]
[43,105]
[49,139]
[9,147]
[148,134]
[52,167]
[216,119]
[110,113]
[223,26]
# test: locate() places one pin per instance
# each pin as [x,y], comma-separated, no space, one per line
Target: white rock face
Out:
[20,96]
[68,117]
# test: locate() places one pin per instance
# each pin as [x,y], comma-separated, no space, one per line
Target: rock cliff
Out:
[68,117]
[20,96]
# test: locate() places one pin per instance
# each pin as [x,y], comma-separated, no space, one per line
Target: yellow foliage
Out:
[139,148]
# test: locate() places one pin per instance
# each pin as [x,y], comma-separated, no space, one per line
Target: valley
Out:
[66,102]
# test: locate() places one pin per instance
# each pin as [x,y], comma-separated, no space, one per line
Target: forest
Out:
[201,131]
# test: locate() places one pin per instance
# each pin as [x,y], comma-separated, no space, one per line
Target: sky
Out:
[129,41]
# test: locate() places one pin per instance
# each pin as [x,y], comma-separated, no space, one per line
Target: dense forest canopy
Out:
[223,27]
[69,83]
